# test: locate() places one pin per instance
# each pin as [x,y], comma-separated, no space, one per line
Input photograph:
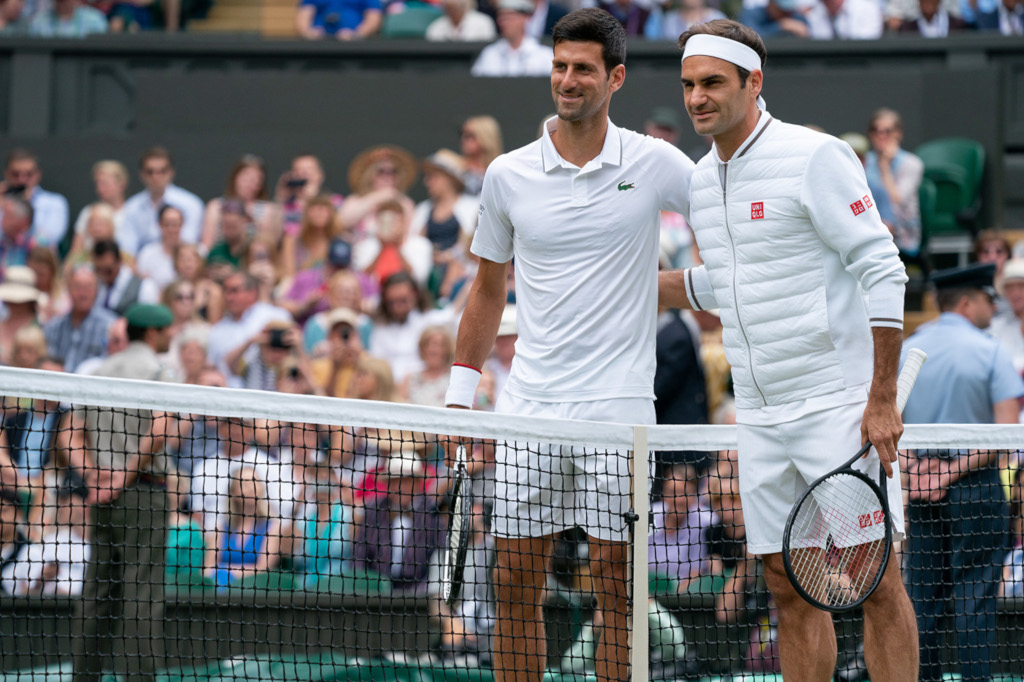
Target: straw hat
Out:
[448,162]
[360,171]
[19,285]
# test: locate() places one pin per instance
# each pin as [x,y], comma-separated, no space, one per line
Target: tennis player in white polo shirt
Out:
[809,287]
[579,211]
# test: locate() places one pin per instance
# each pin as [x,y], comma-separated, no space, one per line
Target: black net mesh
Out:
[149,544]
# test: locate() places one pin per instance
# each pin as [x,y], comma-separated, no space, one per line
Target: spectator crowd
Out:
[288,286]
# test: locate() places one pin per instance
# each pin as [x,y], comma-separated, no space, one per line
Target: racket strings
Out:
[838,542]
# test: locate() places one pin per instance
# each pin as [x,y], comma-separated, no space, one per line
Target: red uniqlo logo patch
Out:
[857,207]
[865,520]
[879,516]
[867,200]
[757,210]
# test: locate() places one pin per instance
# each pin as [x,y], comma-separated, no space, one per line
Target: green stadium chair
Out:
[410,23]
[955,165]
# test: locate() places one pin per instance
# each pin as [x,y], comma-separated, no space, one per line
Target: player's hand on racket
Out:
[882,426]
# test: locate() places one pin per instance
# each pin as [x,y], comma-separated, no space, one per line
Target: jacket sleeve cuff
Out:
[698,289]
[885,305]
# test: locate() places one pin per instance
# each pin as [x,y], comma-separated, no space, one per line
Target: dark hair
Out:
[156,153]
[593,25]
[948,299]
[105,246]
[897,120]
[164,208]
[21,154]
[733,30]
[249,281]
[422,298]
[136,333]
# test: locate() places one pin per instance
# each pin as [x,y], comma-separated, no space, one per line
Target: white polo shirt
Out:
[585,242]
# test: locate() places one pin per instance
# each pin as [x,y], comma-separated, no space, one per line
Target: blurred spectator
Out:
[20,298]
[1007,16]
[957,516]
[16,237]
[858,143]
[262,261]
[772,18]
[447,218]
[249,540]
[846,20]
[209,294]
[53,294]
[1008,329]
[543,17]
[324,527]
[187,355]
[480,144]
[403,317]
[263,360]
[677,547]
[195,438]
[401,529]
[245,316]
[117,341]
[14,21]
[29,435]
[156,259]
[515,53]
[110,179]
[898,11]
[81,333]
[140,222]
[992,247]
[894,176]
[392,249]
[233,237]
[28,348]
[21,178]
[211,476]
[119,287]
[1012,584]
[56,562]
[343,290]
[631,14]
[680,390]
[499,362]
[428,385]
[378,176]
[247,185]
[341,19]
[372,380]
[677,17]
[333,373]
[308,293]
[308,250]
[303,181]
[98,227]
[68,19]
[14,544]
[461,21]
[933,21]
[186,547]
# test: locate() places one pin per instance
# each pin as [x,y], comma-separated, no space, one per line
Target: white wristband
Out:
[462,386]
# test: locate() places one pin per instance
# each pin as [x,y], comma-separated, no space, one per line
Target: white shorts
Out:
[544,488]
[777,463]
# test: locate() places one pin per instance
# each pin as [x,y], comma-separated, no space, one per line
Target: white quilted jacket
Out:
[797,261]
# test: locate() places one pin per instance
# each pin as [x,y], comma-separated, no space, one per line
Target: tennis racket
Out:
[839,534]
[459,510]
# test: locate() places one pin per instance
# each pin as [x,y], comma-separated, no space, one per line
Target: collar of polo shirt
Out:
[611,151]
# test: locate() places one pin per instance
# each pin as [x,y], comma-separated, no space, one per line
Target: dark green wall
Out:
[212,99]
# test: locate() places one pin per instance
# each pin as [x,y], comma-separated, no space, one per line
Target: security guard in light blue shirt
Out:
[958,518]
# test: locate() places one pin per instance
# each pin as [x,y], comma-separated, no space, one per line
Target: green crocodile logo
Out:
[624,186]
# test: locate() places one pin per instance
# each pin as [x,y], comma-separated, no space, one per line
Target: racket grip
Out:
[911,368]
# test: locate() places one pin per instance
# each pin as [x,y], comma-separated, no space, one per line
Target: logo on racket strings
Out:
[872,519]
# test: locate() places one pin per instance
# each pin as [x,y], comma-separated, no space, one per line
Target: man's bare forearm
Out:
[672,289]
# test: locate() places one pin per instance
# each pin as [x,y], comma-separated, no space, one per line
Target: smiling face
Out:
[716,101]
[580,85]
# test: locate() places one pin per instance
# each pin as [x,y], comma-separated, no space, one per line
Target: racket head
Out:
[459,529]
[837,540]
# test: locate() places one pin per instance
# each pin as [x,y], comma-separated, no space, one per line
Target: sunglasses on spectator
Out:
[156,170]
[387,170]
[184,297]
[883,131]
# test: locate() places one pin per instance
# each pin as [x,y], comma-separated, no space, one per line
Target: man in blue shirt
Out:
[342,19]
[958,516]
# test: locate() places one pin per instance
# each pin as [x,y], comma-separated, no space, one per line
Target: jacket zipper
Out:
[735,296]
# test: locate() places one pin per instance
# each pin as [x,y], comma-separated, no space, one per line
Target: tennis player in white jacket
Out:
[810,288]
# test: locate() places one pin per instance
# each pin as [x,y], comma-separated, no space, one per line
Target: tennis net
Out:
[274,536]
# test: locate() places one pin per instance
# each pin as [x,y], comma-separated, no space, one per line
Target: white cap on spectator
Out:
[342,315]
[19,285]
[1013,269]
[523,6]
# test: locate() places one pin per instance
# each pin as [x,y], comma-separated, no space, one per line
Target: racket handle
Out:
[911,368]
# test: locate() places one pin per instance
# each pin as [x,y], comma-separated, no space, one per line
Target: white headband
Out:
[703,45]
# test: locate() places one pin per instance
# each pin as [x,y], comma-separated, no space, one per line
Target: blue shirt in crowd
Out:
[334,15]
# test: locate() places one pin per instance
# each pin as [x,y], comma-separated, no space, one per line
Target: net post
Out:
[639,646]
